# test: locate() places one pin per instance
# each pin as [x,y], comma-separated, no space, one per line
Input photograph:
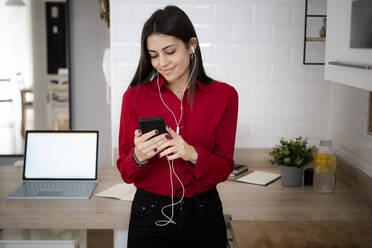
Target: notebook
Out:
[59,165]
[259,177]
[121,191]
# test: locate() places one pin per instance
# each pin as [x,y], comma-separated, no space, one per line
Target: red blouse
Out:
[210,128]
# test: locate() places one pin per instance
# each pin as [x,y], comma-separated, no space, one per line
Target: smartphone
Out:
[148,124]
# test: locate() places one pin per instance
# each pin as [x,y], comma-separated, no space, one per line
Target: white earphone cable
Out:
[183,92]
[170,219]
[171,167]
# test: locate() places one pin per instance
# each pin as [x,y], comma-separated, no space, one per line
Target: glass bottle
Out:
[325,171]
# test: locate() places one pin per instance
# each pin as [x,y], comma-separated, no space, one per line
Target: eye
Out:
[171,52]
[153,55]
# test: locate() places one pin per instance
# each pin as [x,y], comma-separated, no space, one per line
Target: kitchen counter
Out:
[244,202]
[302,234]
[278,216]
[278,203]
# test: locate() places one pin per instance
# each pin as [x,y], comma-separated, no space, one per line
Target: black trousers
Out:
[199,221]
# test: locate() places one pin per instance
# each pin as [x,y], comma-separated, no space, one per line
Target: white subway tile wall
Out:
[254,45]
[348,126]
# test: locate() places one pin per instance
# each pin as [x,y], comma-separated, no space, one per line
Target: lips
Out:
[168,71]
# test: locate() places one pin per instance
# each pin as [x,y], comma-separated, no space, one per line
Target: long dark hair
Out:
[169,21]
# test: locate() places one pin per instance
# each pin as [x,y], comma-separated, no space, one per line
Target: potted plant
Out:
[292,156]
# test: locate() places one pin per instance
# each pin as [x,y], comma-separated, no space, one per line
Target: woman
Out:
[176,203]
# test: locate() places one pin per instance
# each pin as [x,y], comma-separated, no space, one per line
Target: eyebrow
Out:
[162,48]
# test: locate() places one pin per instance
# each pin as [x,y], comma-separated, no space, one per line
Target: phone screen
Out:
[148,124]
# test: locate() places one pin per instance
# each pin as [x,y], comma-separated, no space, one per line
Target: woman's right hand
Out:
[146,146]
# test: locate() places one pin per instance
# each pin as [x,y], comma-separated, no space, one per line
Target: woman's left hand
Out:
[179,148]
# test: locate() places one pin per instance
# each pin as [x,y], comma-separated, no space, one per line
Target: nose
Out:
[163,61]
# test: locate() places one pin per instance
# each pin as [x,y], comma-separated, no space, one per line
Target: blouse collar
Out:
[162,83]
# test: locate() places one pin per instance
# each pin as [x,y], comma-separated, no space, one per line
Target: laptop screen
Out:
[61,155]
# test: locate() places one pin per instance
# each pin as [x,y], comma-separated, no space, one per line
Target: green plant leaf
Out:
[291,152]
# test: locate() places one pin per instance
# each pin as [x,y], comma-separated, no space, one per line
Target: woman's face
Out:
[170,57]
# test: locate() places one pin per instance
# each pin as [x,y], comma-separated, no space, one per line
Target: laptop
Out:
[59,165]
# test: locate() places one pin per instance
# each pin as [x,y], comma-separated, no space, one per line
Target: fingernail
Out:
[155,149]
[156,131]
[167,136]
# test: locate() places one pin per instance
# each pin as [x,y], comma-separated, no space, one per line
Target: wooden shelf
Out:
[313,47]
[315,39]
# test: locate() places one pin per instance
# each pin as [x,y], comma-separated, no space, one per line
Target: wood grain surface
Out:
[355,179]
[301,234]
[242,201]
[96,213]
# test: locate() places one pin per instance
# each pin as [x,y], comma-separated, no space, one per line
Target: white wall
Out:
[256,46]
[349,105]
[39,44]
[348,125]
[89,38]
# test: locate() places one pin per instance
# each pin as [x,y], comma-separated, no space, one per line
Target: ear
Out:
[194,43]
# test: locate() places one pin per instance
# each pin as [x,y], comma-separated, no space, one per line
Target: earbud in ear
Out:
[192,48]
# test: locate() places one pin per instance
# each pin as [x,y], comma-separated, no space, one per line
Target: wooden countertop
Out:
[96,213]
[301,234]
[242,201]
[276,202]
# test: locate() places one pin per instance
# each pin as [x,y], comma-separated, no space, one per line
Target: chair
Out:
[26,102]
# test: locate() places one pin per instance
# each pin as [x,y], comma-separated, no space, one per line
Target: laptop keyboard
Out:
[56,186]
